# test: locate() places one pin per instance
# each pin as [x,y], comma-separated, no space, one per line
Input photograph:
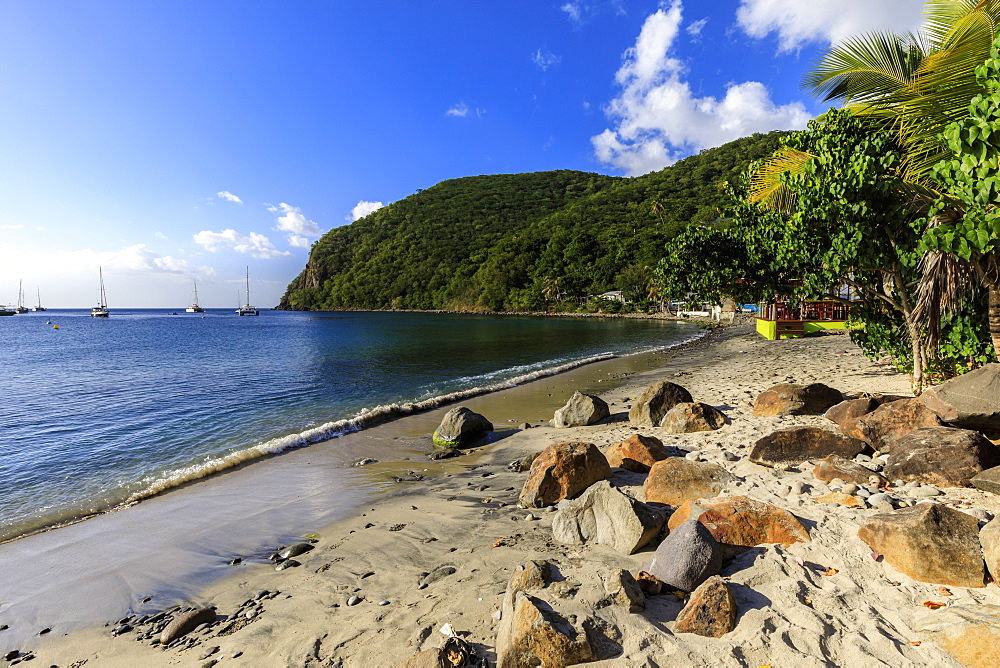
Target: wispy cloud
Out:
[796,22]
[574,10]
[298,242]
[161,236]
[545,59]
[255,245]
[11,227]
[462,110]
[362,209]
[658,119]
[229,197]
[694,29]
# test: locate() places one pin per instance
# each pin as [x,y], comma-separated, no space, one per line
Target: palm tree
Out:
[550,289]
[656,208]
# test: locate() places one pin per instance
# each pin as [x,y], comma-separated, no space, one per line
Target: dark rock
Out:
[443,454]
[847,470]
[794,399]
[970,401]
[458,426]
[686,557]
[184,622]
[846,414]
[580,411]
[605,516]
[637,453]
[890,422]
[709,612]
[649,409]
[943,456]
[437,574]
[676,480]
[562,471]
[293,550]
[795,445]
[988,480]
[739,523]
[691,417]
[929,542]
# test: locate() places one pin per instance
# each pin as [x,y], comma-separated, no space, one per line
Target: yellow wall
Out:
[769,328]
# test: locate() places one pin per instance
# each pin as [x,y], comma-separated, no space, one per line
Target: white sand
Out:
[790,614]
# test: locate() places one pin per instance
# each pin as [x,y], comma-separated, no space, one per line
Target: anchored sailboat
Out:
[101,310]
[20,308]
[39,307]
[246,309]
[195,308]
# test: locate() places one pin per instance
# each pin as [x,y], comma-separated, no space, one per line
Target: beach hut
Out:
[785,318]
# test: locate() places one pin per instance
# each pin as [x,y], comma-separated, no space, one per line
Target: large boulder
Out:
[686,558]
[989,538]
[535,635]
[692,416]
[968,632]
[847,470]
[185,622]
[942,456]
[676,480]
[970,401]
[929,542]
[637,453]
[795,399]
[458,426]
[604,515]
[795,445]
[740,522]
[581,410]
[846,414]
[648,410]
[890,422]
[988,480]
[710,611]
[562,471]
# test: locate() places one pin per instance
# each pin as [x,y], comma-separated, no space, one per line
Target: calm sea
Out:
[99,412]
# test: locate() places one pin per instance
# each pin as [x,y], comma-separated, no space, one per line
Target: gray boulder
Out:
[581,410]
[795,445]
[970,401]
[988,481]
[604,515]
[687,557]
[942,456]
[458,426]
[649,409]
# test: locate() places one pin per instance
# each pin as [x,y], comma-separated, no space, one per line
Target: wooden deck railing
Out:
[813,311]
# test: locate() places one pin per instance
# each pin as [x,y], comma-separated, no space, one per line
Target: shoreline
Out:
[462,514]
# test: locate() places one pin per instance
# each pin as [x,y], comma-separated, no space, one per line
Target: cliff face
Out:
[516,241]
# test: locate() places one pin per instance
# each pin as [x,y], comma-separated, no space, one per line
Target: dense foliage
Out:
[521,241]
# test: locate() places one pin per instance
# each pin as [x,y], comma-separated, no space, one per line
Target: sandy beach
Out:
[357,599]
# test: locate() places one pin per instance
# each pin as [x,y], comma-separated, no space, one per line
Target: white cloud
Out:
[293,221]
[229,197]
[461,110]
[11,227]
[574,10]
[694,29]
[298,242]
[161,236]
[255,245]
[362,209]
[545,59]
[799,21]
[658,119]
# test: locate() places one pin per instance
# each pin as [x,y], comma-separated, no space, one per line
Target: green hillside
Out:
[516,241]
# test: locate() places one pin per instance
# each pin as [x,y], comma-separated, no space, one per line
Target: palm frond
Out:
[867,67]
[766,187]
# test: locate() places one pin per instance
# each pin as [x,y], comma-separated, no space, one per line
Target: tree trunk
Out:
[993,317]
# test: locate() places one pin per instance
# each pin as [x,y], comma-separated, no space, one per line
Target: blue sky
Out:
[188,140]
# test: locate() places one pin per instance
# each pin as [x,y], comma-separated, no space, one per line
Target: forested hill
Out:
[517,241]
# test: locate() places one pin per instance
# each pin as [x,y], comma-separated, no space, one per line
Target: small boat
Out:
[101,310]
[20,308]
[6,310]
[246,309]
[195,308]
[39,307]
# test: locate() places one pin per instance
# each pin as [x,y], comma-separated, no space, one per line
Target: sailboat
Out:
[20,308]
[101,310]
[195,308]
[39,307]
[246,309]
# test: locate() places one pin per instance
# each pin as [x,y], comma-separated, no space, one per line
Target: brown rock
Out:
[890,422]
[794,399]
[710,611]
[637,453]
[846,414]
[649,409]
[743,522]
[970,401]
[988,480]
[930,543]
[847,470]
[840,499]
[689,417]
[540,637]
[795,445]
[649,583]
[624,591]
[989,538]
[184,622]
[942,456]
[676,480]
[970,633]
[562,471]
[685,511]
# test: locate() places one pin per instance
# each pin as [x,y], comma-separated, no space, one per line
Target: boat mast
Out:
[248,285]
[100,273]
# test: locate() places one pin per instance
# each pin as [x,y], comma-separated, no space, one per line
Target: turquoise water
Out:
[100,412]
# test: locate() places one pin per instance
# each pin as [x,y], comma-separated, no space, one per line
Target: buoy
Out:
[55,326]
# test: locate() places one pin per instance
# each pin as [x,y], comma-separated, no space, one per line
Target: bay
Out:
[99,412]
